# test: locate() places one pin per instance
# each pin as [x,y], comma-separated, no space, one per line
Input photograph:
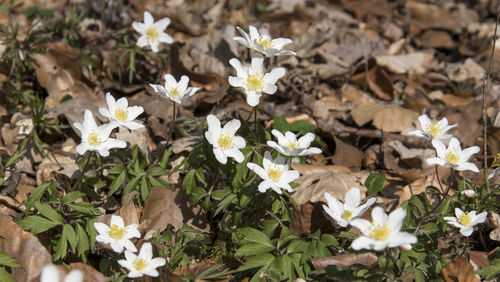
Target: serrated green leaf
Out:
[82,242]
[36,223]
[71,197]
[253,249]
[36,195]
[145,188]
[61,248]
[117,182]
[84,207]
[70,235]
[50,213]
[15,158]
[489,272]
[257,261]
[255,236]
[132,184]
[5,276]
[156,181]
[7,260]
[220,194]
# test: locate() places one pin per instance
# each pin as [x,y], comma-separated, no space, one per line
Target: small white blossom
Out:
[253,79]
[25,125]
[142,264]
[120,114]
[383,232]
[468,193]
[152,33]
[288,144]
[263,42]
[466,220]
[350,209]
[453,156]
[224,141]
[433,129]
[118,235]
[96,138]
[50,273]
[275,174]
[173,90]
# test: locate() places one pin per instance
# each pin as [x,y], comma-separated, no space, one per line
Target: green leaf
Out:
[91,231]
[255,236]
[36,195]
[375,183]
[61,248]
[71,197]
[7,260]
[36,223]
[132,184]
[5,276]
[281,124]
[157,171]
[82,242]
[429,227]
[117,182]
[156,181]
[49,212]
[257,261]
[489,272]
[330,241]
[220,194]
[302,126]
[70,235]
[253,249]
[15,158]
[84,207]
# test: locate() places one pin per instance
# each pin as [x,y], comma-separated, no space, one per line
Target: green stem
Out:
[171,130]
[80,178]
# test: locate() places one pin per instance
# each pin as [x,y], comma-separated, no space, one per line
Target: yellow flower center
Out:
[346,215]
[433,128]
[465,219]
[452,157]
[496,161]
[93,139]
[265,42]
[275,173]
[116,232]
[255,82]
[121,114]
[292,145]
[174,93]
[152,33]
[380,232]
[139,264]
[225,141]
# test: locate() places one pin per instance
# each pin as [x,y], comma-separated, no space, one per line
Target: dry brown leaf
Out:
[459,269]
[57,56]
[435,39]
[401,64]
[25,248]
[365,112]
[128,211]
[49,167]
[424,16]
[345,260]
[347,154]
[164,207]
[307,169]
[379,83]
[394,119]
[308,218]
[312,187]
[495,219]
[138,137]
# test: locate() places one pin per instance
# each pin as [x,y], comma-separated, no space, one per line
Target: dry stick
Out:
[486,80]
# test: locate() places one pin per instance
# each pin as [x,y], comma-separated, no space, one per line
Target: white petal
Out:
[101,227]
[278,43]
[165,38]
[170,81]
[378,215]
[183,83]
[142,41]
[424,121]
[74,276]
[117,220]
[440,148]
[435,161]
[362,242]
[468,152]
[146,251]
[213,124]
[267,161]
[254,34]
[264,185]
[236,81]
[454,145]
[362,224]
[50,273]
[305,141]
[396,218]
[252,98]
[241,71]
[241,41]
[258,65]
[148,18]
[231,127]
[88,121]
[82,148]
[162,24]
[220,156]
[157,262]
[258,170]
[400,238]
[239,142]
[117,247]
[467,166]
[352,198]
[139,27]
[273,76]
[236,154]
[467,230]
[290,176]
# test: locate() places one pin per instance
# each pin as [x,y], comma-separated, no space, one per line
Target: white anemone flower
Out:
[152,33]
[263,42]
[118,235]
[383,231]
[120,114]
[275,174]
[50,273]
[288,144]
[350,209]
[173,90]
[453,156]
[253,79]
[25,125]
[224,141]
[433,129]
[142,264]
[466,220]
[96,138]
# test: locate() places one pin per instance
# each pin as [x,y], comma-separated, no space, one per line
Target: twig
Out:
[486,80]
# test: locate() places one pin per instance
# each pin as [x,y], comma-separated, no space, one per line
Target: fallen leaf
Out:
[401,64]
[128,211]
[435,39]
[459,269]
[345,260]
[423,16]
[307,169]
[308,218]
[394,119]
[377,81]
[365,112]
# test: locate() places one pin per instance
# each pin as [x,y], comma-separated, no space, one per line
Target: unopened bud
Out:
[469,193]
[405,247]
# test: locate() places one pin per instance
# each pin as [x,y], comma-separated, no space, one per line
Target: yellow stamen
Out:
[225,141]
[452,157]
[93,139]
[116,232]
[292,145]
[266,43]
[152,33]
[275,173]
[346,215]
[139,264]
[174,93]
[433,128]
[255,82]
[496,161]
[380,232]
[465,219]
[121,114]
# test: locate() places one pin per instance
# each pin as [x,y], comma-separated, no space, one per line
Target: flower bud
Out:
[469,193]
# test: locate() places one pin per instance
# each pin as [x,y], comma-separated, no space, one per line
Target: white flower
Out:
[466,220]
[383,232]
[453,156]
[433,129]
[173,90]
[263,43]
[275,174]
[142,264]
[225,143]
[96,138]
[120,114]
[288,144]
[344,213]
[118,235]
[25,125]
[50,273]
[253,79]
[152,32]
[468,193]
